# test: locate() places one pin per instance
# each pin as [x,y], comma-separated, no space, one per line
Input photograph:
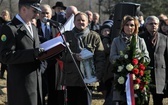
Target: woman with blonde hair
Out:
[129,28]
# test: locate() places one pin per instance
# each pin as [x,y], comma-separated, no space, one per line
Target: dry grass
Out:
[97,97]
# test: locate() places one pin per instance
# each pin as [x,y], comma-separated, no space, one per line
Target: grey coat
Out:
[118,45]
[159,61]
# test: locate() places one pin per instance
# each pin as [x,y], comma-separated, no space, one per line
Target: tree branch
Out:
[1,2]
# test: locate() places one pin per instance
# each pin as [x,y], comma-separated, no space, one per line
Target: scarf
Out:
[126,38]
[79,35]
[153,38]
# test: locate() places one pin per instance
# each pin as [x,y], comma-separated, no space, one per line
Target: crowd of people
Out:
[59,80]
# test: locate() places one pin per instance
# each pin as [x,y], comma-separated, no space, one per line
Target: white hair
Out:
[151,18]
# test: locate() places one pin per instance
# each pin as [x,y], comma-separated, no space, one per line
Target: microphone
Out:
[55,23]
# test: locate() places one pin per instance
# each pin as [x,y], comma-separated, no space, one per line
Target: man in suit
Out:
[19,48]
[70,10]
[42,24]
[157,45]
[49,75]
[45,33]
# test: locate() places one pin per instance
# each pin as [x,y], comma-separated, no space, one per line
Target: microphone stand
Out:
[67,46]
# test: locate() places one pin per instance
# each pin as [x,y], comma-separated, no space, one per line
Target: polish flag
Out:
[69,25]
[130,90]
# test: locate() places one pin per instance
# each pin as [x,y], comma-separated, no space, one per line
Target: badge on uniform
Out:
[3,38]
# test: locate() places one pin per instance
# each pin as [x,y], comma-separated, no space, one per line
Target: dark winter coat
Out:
[91,42]
[18,50]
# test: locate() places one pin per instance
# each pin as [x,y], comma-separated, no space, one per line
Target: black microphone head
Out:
[54,23]
[45,20]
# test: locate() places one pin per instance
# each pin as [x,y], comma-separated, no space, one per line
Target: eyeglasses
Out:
[35,11]
[45,13]
[153,23]
[131,25]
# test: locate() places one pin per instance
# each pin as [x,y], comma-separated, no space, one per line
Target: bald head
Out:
[96,17]
[71,10]
[90,15]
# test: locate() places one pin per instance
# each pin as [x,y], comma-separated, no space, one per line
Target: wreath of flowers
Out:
[132,61]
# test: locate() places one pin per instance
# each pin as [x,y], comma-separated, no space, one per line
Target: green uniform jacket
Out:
[93,43]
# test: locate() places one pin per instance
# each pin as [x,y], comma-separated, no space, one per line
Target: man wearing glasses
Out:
[157,45]
[48,76]
[46,30]
[20,50]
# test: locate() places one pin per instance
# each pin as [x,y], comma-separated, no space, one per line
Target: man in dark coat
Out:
[59,9]
[49,75]
[20,50]
[4,19]
[46,13]
[157,45]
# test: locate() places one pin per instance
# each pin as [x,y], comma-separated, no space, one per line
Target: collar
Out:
[28,27]
[20,19]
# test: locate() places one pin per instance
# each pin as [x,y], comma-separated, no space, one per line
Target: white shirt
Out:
[43,27]
[28,27]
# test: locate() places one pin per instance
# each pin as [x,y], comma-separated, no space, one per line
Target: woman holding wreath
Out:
[129,29]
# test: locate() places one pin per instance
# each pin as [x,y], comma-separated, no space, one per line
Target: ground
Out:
[97,97]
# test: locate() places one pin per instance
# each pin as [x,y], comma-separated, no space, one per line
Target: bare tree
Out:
[1,2]
[82,5]
[10,7]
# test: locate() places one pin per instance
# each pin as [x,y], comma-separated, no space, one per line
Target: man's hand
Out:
[78,56]
[38,52]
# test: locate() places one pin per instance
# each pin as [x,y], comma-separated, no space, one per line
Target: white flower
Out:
[120,68]
[126,56]
[136,86]
[138,51]
[121,80]
[129,67]
[133,76]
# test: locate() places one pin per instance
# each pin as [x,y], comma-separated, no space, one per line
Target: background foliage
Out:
[103,7]
[148,7]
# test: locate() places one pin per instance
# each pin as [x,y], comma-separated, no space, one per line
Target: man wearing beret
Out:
[19,49]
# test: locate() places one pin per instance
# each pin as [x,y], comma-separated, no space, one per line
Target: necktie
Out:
[30,30]
[47,32]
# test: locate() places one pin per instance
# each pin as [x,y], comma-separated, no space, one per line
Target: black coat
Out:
[2,21]
[158,55]
[54,31]
[50,80]
[18,51]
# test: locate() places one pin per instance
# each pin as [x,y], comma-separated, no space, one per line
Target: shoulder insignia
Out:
[3,38]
